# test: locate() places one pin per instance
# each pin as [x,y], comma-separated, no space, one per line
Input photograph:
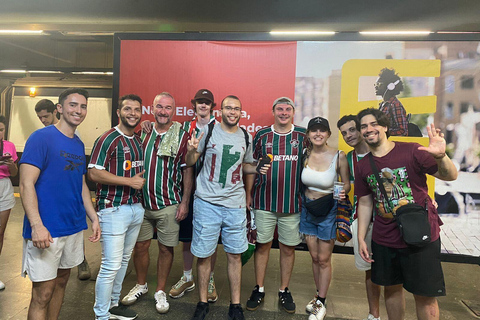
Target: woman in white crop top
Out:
[321,166]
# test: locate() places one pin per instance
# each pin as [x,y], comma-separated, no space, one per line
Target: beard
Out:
[373,144]
[127,124]
[228,123]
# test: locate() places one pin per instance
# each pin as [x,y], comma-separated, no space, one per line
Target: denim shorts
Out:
[324,228]
[210,220]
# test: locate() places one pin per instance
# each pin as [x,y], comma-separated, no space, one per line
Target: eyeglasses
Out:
[236,109]
[204,101]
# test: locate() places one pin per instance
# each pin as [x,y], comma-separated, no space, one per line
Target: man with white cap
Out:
[276,199]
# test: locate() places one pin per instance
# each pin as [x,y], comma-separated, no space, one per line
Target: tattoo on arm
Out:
[443,171]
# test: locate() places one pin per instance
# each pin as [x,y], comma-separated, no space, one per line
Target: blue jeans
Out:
[120,227]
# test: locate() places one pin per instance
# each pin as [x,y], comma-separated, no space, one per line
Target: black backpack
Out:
[207,138]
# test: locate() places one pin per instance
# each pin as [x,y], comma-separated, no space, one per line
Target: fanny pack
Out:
[412,218]
[320,207]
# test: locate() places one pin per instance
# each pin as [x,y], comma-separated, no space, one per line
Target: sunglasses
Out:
[204,101]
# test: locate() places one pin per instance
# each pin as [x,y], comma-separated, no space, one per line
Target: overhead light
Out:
[393,33]
[94,73]
[29,71]
[33,92]
[24,32]
[302,33]
[43,71]
[457,32]
[13,71]
[86,33]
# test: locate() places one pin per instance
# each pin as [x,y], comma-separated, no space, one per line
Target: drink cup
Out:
[337,188]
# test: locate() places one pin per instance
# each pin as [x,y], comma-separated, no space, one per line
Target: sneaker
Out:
[235,312]
[318,312]
[121,312]
[161,303]
[182,286]
[255,299]
[137,291]
[286,301]
[309,307]
[201,311]
[212,291]
[84,270]
[2,285]
[371,317]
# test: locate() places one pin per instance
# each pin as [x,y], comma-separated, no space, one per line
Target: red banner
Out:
[256,72]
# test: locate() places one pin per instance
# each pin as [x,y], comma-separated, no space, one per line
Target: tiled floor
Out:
[346,297]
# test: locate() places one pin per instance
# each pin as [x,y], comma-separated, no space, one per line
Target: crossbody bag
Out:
[412,218]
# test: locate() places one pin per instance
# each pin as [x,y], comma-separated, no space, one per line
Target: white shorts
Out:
[42,264]
[361,264]
[7,199]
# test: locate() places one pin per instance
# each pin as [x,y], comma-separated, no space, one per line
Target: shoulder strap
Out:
[337,168]
[380,184]
[204,151]
[247,142]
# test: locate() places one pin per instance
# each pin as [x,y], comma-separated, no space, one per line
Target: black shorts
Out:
[186,225]
[418,269]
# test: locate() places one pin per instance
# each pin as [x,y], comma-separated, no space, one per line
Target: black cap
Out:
[204,94]
[318,121]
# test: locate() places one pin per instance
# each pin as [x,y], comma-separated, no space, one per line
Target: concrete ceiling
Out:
[242,16]
[59,49]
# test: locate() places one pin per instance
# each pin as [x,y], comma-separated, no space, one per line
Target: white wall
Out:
[24,121]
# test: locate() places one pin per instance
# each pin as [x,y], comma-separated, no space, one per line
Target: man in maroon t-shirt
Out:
[402,170]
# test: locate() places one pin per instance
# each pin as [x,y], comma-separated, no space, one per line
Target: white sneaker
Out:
[2,285]
[371,317]
[136,292]
[318,312]
[309,307]
[161,302]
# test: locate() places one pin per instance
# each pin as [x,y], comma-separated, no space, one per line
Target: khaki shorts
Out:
[361,264]
[164,221]
[42,264]
[288,227]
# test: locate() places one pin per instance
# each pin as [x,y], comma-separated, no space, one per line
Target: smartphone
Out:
[5,157]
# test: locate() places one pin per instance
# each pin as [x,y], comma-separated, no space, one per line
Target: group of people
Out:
[193,182]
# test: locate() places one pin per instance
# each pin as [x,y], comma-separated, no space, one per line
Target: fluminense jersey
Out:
[279,189]
[352,159]
[163,187]
[220,181]
[191,127]
[122,156]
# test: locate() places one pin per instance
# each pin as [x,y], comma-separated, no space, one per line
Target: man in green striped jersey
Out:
[220,206]
[350,129]
[116,165]
[276,199]
[166,197]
